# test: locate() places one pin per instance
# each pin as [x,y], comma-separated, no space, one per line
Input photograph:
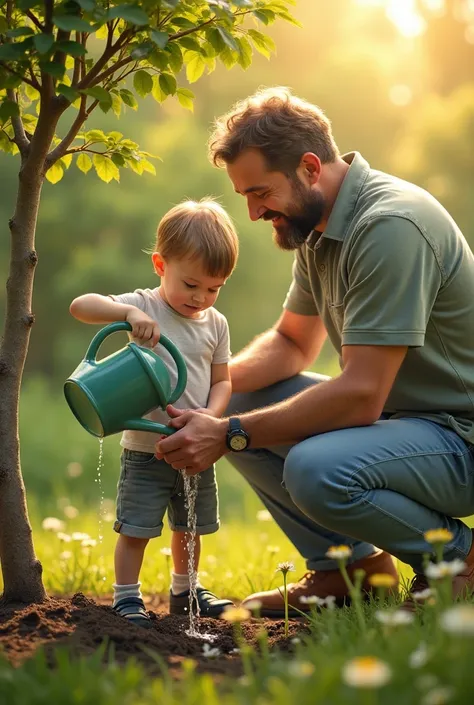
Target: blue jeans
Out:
[384,484]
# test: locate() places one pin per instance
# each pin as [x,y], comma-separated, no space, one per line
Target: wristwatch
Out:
[236,439]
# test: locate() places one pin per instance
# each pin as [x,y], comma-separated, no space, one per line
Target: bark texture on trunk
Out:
[21,570]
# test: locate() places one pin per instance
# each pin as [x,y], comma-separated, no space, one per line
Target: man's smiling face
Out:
[294,207]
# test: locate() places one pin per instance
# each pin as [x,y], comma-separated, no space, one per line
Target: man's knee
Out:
[315,481]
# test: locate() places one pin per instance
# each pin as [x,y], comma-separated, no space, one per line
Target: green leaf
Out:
[20,32]
[66,160]
[28,4]
[105,168]
[31,92]
[84,162]
[130,13]
[186,98]
[142,50]
[135,165]
[55,173]
[95,136]
[8,109]
[215,39]
[71,48]
[175,56]
[13,52]
[43,42]
[118,160]
[67,92]
[263,44]
[114,136]
[143,83]
[190,43]
[72,23]
[99,94]
[167,83]
[227,38]
[3,25]
[157,91]
[245,52]
[54,68]
[128,98]
[265,16]
[229,58]
[160,38]
[195,67]
[116,104]
[159,59]
[148,166]
[87,5]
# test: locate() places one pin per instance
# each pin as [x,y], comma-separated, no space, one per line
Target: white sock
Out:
[179,583]
[121,591]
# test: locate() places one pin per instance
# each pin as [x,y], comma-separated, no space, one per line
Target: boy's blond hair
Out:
[200,230]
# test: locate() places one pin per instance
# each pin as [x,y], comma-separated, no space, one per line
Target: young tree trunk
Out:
[20,568]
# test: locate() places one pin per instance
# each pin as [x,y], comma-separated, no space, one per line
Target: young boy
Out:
[196,251]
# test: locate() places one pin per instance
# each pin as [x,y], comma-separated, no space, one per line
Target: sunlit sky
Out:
[404,13]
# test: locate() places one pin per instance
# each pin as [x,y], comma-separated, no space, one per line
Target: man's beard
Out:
[306,214]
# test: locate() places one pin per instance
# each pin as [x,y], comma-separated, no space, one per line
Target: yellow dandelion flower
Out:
[338,553]
[438,536]
[366,672]
[236,614]
[382,580]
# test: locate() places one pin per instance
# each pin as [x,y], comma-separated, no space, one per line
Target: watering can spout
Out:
[112,395]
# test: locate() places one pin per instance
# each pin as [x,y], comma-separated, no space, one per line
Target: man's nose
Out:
[255,210]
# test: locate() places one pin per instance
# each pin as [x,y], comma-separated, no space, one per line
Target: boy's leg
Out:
[144,488]
[207,522]
[180,556]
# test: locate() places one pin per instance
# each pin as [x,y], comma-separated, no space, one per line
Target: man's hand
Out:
[197,444]
[144,328]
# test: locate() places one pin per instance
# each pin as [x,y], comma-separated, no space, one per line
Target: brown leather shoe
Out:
[462,584]
[322,583]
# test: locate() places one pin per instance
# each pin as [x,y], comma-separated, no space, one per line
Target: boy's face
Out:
[186,286]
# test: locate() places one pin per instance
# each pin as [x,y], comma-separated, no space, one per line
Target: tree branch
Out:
[35,20]
[21,139]
[69,138]
[48,16]
[16,73]
[94,76]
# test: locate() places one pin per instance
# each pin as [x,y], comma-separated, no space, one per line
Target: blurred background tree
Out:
[396,77]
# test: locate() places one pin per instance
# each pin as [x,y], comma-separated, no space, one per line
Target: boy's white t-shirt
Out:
[201,341]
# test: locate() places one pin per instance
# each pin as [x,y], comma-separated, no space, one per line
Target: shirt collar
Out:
[344,205]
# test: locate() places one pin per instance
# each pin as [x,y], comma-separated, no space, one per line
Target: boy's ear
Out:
[158,263]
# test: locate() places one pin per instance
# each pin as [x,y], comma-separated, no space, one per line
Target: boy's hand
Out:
[144,328]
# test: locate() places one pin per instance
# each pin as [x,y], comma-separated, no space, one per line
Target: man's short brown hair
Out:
[200,230]
[280,125]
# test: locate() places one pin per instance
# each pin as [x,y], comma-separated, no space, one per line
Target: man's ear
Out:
[158,263]
[310,168]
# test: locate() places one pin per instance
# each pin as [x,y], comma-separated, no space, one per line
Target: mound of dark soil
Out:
[82,624]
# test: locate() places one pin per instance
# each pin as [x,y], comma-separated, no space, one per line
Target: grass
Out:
[424,664]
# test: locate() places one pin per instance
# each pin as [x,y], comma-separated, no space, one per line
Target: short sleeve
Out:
[222,352]
[299,298]
[133,298]
[393,282]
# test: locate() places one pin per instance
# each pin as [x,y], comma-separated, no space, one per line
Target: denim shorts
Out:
[148,487]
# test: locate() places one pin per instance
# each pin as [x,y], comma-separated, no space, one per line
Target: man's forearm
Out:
[269,358]
[325,407]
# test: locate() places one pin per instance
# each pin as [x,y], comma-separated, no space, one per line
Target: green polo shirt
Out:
[392,268]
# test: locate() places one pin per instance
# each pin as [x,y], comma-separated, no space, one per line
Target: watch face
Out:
[238,442]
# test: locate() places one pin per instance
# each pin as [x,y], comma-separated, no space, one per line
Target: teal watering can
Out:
[111,395]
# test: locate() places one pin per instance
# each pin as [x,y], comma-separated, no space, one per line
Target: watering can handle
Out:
[98,339]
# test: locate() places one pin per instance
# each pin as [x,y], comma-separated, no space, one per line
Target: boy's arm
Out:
[95,308]
[221,390]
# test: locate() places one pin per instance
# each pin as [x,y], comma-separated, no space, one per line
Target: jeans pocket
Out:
[137,457]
